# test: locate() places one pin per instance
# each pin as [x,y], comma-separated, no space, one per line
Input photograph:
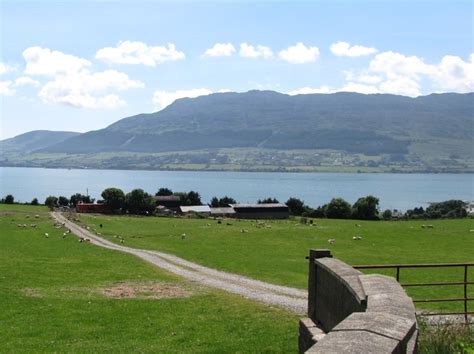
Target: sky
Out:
[82,65]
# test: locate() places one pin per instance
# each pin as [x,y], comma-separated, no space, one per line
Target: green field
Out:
[59,295]
[275,251]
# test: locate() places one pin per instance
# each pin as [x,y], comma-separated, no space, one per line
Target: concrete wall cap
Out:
[354,342]
[385,324]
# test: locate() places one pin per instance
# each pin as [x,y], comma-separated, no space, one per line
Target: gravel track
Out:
[291,299]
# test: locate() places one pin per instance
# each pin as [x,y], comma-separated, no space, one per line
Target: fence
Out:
[465,299]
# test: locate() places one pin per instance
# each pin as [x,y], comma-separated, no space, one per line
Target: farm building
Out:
[261,211]
[227,212]
[171,202]
[92,208]
[197,209]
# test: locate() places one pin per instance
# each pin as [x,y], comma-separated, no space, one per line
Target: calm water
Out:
[396,191]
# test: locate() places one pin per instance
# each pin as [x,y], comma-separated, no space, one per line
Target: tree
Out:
[194,198]
[164,192]
[80,198]
[296,206]
[447,209]
[63,201]
[114,198]
[338,208]
[51,202]
[35,201]
[222,202]
[366,208]
[9,199]
[387,214]
[190,198]
[268,201]
[139,202]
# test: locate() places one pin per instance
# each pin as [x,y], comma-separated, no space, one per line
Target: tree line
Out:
[138,201]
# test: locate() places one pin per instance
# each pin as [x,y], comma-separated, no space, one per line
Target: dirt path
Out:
[289,298]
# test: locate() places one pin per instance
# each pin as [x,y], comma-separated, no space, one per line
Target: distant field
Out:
[59,295]
[275,251]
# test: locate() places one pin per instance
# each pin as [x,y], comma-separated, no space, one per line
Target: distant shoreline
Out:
[282,170]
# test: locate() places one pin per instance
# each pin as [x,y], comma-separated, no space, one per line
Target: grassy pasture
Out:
[275,251]
[51,300]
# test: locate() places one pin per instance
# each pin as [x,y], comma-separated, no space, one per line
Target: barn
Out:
[261,211]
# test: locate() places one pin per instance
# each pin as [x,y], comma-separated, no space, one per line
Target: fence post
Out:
[314,254]
[465,294]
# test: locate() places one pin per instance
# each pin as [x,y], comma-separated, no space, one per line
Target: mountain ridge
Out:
[434,127]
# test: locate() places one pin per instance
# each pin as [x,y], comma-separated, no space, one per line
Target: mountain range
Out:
[423,129]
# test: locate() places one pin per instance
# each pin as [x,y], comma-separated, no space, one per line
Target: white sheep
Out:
[332,241]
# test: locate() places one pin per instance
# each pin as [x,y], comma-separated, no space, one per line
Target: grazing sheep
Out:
[46,235]
[37,216]
[356,238]
[358,225]
[122,240]
[332,241]
[183,236]
[244,230]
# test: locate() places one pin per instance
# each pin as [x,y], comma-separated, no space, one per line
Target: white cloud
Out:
[5,68]
[359,88]
[88,90]
[309,90]
[44,61]
[344,49]
[165,98]
[404,74]
[220,50]
[6,88]
[364,77]
[128,52]
[26,81]
[250,51]
[299,54]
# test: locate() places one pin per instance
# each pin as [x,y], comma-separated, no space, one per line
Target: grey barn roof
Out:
[257,206]
[222,211]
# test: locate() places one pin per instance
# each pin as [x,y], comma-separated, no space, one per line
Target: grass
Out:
[51,301]
[445,338]
[275,251]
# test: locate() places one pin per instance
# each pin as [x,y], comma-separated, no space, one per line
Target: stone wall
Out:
[351,312]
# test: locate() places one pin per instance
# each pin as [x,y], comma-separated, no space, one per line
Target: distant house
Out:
[197,209]
[261,211]
[92,208]
[226,212]
[171,202]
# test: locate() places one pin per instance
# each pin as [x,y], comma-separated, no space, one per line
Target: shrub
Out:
[366,208]
[296,206]
[338,208]
[387,214]
[34,201]
[51,202]
[445,338]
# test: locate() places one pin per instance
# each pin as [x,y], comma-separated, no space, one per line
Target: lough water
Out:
[395,191]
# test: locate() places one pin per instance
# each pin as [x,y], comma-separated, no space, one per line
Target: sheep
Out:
[356,238]
[46,235]
[332,241]
[183,236]
[244,230]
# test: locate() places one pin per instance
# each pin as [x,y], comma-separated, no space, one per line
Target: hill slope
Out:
[270,131]
[371,124]
[35,140]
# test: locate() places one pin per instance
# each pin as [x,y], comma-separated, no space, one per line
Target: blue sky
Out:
[80,66]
